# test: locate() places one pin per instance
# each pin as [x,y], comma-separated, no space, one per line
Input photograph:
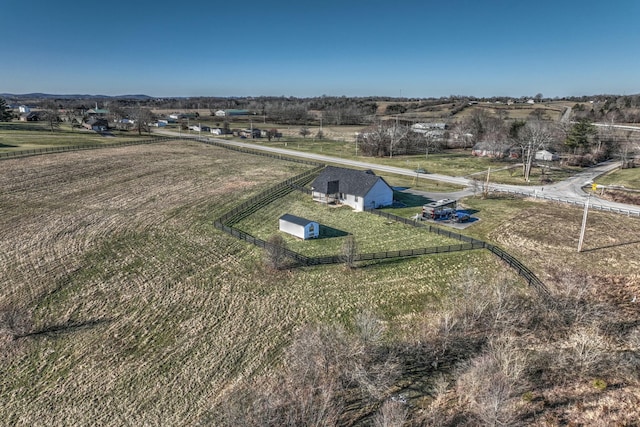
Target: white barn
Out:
[546,155]
[299,227]
[359,189]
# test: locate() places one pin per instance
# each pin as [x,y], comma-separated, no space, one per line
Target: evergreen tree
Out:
[5,114]
[580,134]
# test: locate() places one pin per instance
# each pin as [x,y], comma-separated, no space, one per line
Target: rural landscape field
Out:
[320,214]
[123,304]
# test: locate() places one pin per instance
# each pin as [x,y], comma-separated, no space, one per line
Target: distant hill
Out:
[72,96]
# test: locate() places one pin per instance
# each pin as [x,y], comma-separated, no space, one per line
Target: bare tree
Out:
[391,414]
[304,131]
[385,138]
[350,251]
[370,328]
[534,136]
[143,119]
[491,382]
[50,115]
[275,252]
[626,148]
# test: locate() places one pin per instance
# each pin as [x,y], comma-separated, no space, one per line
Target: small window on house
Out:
[356,198]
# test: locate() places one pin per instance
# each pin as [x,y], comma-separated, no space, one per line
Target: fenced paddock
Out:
[69,148]
[229,221]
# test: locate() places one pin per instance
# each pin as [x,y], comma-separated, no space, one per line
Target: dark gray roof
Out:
[350,181]
[296,220]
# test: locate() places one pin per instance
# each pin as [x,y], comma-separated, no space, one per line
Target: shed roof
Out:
[296,220]
[350,181]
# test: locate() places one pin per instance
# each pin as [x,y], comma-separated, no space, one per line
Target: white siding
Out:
[310,231]
[293,229]
[379,195]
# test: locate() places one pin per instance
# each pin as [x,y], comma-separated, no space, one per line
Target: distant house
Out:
[299,227]
[220,113]
[100,112]
[217,131]
[32,116]
[491,149]
[24,109]
[546,155]
[359,189]
[96,124]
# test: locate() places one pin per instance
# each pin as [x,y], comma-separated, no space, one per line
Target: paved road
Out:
[569,190]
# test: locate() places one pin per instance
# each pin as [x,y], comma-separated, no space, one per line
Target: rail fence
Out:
[628,212]
[254,151]
[513,262]
[297,183]
[51,150]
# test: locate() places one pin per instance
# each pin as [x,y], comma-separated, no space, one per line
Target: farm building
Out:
[96,124]
[359,189]
[491,149]
[546,155]
[299,227]
[33,116]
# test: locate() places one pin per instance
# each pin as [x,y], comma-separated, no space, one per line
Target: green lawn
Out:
[17,136]
[455,162]
[629,178]
[373,233]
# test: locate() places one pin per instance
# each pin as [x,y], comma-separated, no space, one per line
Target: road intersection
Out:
[567,191]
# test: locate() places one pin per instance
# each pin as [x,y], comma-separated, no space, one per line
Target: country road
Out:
[567,191]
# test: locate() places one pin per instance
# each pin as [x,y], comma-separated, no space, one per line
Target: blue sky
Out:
[310,48]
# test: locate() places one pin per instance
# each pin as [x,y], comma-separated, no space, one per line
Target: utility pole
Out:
[584,223]
[393,139]
[486,186]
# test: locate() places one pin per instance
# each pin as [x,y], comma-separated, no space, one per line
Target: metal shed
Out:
[299,227]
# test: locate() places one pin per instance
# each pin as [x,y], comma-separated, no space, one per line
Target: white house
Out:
[359,189]
[220,113]
[24,109]
[299,227]
[546,155]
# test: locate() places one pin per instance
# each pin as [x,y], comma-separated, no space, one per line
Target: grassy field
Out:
[629,178]
[122,304]
[16,136]
[453,162]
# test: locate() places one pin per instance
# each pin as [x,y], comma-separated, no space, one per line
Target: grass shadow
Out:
[611,246]
[409,200]
[330,232]
[68,327]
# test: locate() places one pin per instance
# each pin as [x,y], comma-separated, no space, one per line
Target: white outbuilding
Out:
[546,155]
[299,227]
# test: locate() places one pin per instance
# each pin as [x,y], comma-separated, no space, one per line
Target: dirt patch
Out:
[621,196]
